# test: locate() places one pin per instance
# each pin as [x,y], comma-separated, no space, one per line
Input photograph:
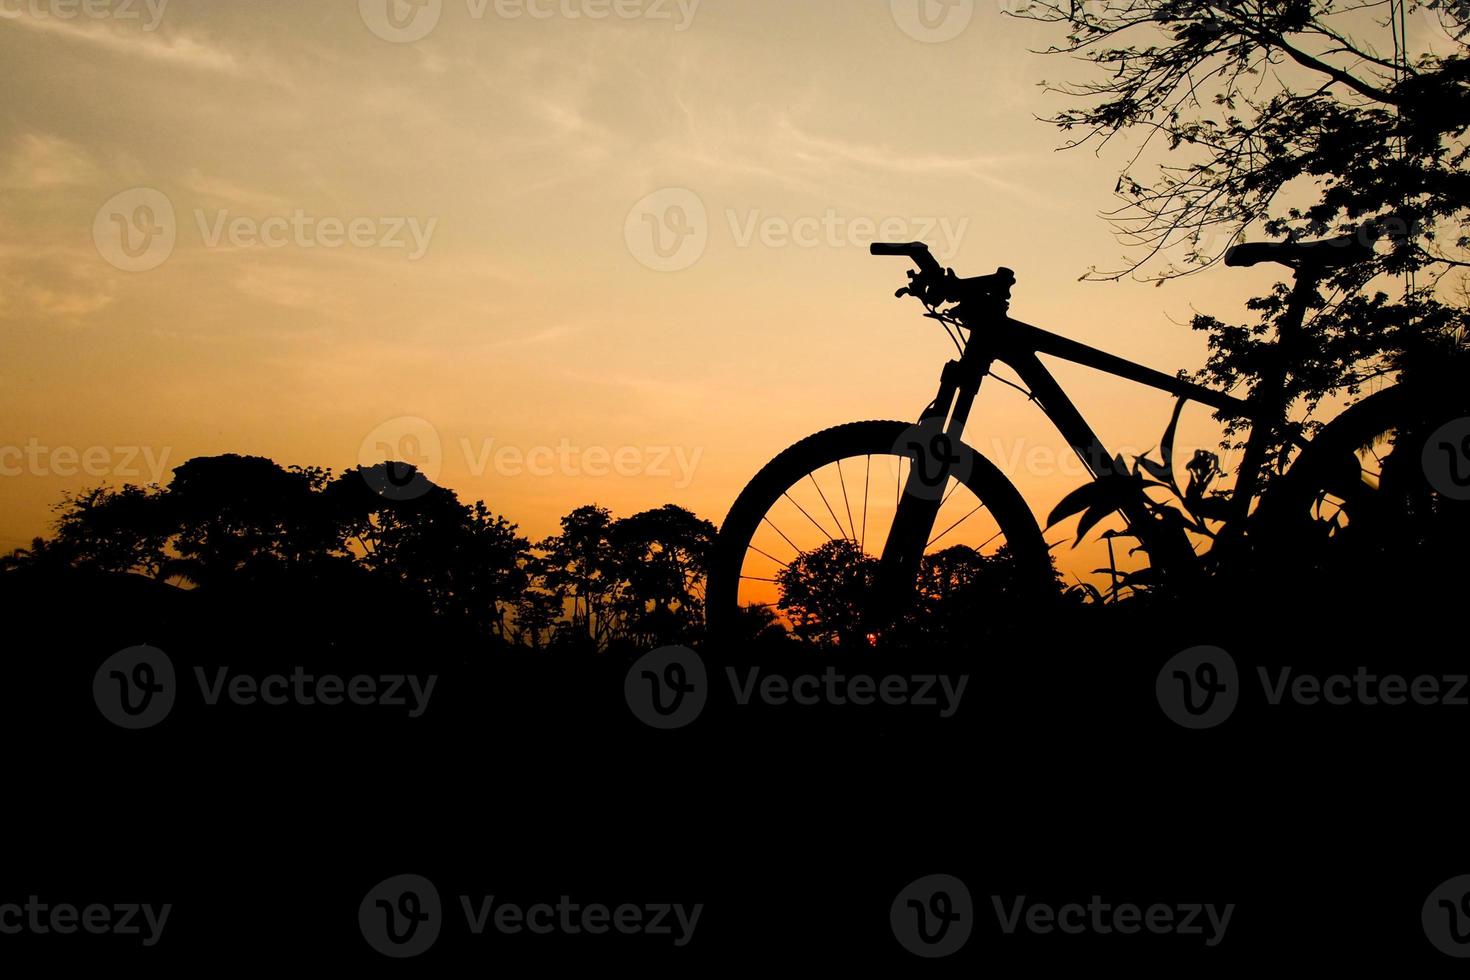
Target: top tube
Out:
[1045,342]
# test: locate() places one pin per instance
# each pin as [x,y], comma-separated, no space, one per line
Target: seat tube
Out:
[1271,399]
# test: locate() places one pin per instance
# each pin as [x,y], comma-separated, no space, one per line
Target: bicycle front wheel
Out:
[799,549]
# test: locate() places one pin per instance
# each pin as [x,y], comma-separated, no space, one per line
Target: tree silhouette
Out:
[236,517]
[227,523]
[106,530]
[824,592]
[578,568]
[466,560]
[661,556]
[1296,117]
[635,581]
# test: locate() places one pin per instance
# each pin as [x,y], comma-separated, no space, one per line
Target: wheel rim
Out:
[820,517]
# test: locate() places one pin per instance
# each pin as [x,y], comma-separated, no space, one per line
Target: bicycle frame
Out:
[1018,345]
[994,336]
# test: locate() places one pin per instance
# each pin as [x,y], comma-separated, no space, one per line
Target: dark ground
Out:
[1059,778]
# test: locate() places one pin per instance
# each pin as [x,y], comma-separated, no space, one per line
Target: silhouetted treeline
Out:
[236,525]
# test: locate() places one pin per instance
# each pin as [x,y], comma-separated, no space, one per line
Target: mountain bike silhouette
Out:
[893,492]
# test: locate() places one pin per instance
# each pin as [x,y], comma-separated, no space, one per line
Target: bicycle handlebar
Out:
[934,284]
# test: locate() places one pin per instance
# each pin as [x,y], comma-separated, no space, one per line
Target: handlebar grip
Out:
[917,251]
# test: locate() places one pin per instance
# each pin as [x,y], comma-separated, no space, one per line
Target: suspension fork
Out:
[934,447]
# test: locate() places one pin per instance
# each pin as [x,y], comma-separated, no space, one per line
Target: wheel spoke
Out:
[835,520]
[978,508]
[847,505]
[794,548]
[950,494]
[809,517]
[772,557]
[867,472]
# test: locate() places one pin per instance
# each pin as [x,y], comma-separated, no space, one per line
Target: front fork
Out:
[933,446]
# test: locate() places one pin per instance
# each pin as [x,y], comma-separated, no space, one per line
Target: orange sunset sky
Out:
[311,229]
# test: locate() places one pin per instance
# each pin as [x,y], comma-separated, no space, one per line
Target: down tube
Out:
[1167,545]
[1063,414]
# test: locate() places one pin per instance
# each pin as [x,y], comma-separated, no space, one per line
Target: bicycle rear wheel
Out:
[1365,499]
[802,541]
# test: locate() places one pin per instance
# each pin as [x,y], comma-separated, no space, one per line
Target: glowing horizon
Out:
[307,235]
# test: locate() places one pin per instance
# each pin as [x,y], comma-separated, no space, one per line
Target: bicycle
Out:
[1337,482]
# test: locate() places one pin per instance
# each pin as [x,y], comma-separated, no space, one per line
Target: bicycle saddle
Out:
[1325,253]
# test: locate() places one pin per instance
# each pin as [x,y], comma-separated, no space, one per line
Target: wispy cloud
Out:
[40,161]
[130,40]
